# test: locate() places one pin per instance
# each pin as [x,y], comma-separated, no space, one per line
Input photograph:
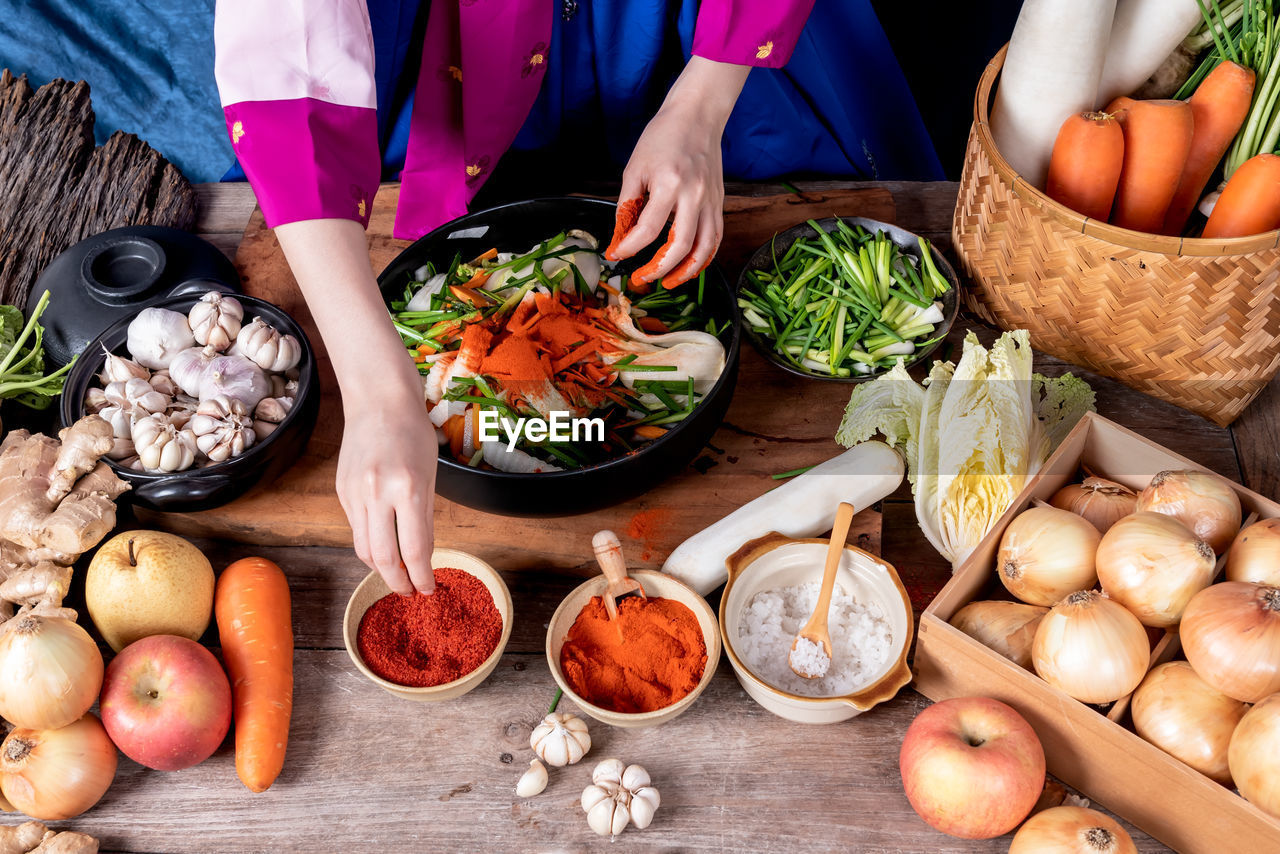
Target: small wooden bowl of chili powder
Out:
[431,648]
[655,671]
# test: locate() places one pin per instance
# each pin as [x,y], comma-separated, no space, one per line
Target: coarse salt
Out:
[809,658]
[861,640]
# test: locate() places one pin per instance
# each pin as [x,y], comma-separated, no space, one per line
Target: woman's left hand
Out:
[676,165]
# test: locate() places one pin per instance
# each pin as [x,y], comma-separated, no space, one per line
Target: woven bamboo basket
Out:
[1191,321]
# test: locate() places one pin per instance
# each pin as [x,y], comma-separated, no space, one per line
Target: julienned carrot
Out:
[251,604]
[1085,167]
[1250,203]
[1157,138]
[1219,106]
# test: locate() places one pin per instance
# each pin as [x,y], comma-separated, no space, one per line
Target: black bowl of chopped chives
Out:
[844,298]
[599,478]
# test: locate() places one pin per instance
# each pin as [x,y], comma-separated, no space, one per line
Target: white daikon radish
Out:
[803,507]
[1143,34]
[1051,71]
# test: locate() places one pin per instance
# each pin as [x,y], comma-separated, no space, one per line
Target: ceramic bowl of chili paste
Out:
[431,648]
[625,471]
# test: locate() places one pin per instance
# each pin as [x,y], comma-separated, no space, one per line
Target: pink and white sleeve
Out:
[750,32]
[295,78]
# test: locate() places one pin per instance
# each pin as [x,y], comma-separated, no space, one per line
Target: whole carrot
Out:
[1085,167]
[1250,203]
[251,603]
[1219,106]
[1157,138]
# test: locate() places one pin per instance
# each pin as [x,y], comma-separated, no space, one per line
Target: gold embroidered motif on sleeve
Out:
[763,51]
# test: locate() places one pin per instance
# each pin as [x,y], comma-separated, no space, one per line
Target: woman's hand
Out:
[676,164]
[387,463]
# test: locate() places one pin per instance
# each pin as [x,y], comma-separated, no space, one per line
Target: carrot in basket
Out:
[251,604]
[1250,203]
[1219,105]
[1119,107]
[1084,169]
[1157,138]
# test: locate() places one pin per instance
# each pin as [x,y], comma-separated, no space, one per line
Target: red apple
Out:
[972,767]
[166,702]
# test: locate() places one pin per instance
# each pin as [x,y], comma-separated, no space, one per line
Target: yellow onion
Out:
[1006,627]
[1099,501]
[1255,554]
[50,671]
[1203,502]
[1231,635]
[53,774]
[1254,755]
[1046,553]
[1091,648]
[1153,565]
[1184,716]
[1071,830]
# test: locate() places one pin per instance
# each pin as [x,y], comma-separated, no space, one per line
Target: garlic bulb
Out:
[163,383]
[121,449]
[235,377]
[162,446]
[533,781]
[119,369]
[136,396]
[156,335]
[120,419]
[222,428]
[619,795]
[188,367]
[267,348]
[181,410]
[561,739]
[215,320]
[95,400]
[269,413]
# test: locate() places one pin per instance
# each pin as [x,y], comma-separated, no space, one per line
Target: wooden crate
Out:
[1102,759]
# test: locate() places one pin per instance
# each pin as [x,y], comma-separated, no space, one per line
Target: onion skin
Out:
[1152,564]
[1254,755]
[1006,627]
[1255,554]
[1231,635]
[55,774]
[1187,718]
[1071,830]
[1205,503]
[1091,648]
[1099,501]
[50,671]
[1046,553]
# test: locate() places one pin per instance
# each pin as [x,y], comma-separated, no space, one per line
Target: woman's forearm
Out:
[708,88]
[330,260]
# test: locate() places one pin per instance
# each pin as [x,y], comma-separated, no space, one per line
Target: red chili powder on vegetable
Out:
[424,640]
[647,526]
[658,658]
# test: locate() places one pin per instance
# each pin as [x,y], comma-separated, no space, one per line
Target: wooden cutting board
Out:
[776,423]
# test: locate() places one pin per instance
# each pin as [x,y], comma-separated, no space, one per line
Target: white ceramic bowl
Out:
[777,561]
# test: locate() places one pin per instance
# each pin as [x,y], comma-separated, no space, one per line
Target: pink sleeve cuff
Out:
[307,159]
[762,33]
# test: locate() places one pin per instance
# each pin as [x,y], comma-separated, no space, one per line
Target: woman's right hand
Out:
[386,483]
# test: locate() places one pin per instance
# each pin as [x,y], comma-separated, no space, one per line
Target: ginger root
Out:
[33,837]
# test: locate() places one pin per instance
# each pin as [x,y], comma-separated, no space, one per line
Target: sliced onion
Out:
[1184,716]
[54,774]
[1231,635]
[1254,755]
[1255,554]
[1152,564]
[1099,501]
[1006,627]
[1071,830]
[1046,553]
[50,671]
[1091,648]
[1205,503]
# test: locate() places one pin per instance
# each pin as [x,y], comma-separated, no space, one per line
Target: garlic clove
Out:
[560,739]
[593,795]
[119,369]
[609,817]
[644,803]
[532,781]
[608,772]
[95,400]
[635,777]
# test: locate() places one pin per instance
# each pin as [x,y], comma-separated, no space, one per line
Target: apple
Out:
[166,702]
[972,767]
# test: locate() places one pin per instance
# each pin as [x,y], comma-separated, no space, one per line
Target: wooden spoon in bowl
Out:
[810,655]
[609,555]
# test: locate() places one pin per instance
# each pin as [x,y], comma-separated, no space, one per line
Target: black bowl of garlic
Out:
[208,396]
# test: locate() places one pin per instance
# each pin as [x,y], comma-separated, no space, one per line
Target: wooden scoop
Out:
[816,629]
[609,556]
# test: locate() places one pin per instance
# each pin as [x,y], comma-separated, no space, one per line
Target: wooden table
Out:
[369,772]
